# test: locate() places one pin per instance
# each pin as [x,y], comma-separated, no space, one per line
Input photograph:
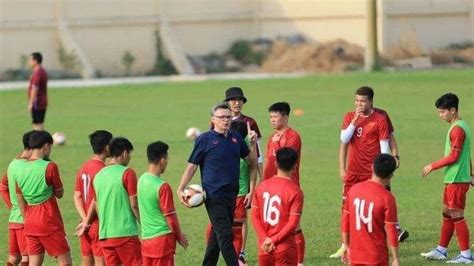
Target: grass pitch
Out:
[145,113]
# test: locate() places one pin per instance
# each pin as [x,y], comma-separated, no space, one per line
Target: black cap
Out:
[234,92]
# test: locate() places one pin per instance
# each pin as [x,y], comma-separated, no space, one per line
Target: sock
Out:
[208,232]
[462,232]
[447,231]
[237,229]
[442,249]
[300,245]
[466,253]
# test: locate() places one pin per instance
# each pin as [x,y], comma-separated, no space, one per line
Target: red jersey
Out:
[39,79]
[370,215]
[84,178]
[277,206]
[45,218]
[364,145]
[289,138]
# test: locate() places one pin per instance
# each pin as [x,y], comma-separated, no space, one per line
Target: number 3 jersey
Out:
[276,210]
[370,217]
[84,179]
[364,145]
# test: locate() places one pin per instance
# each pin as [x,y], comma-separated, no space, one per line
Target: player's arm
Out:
[21,200]
[457,137]
[391,219]
[260,160]
[130,183]
[394,147]
[33,96]
[53,179]
[256,218]
[4,191]
[166,205]
[78,200]
[348,126]
[294,219]
[343,159]
[185,179]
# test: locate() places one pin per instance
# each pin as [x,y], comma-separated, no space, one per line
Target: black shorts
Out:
[38,116]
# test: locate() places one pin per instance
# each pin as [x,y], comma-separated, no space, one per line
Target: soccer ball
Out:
[192,133]
[59,138]
[195,195]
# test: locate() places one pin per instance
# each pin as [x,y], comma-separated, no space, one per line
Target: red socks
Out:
[447,231]
[300,245]
[237,229]
[462,232]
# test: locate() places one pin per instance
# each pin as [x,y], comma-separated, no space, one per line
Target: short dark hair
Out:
[118,145]
[156,151]
[447,101]
[366,91]
[99,140]
[26,139]
[37,57]
[240,127]
[39,138]
[280,107]
[286,158]
[384,166]
[218,106]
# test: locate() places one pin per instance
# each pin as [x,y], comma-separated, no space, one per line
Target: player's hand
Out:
[248,200]
[183,241]
[252,135]
[81,229]
[426,170]
[472,180]
[396,262]
[397,162]
[346,257]
[183,197]
[357,113]
[267,245]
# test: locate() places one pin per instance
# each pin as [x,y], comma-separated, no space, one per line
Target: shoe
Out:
[403,235]
[242,261]
[461,259]
[435,254]
[339,253]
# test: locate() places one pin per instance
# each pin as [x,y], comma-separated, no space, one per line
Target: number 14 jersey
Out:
[370,214]
[276,209]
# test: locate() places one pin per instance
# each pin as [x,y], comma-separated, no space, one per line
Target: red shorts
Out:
[55,244]
[240,212]
[90,242]
[128,253]
[285,258]
[164,261]
[17,242]
[351,180]
[454,196]
[380,264]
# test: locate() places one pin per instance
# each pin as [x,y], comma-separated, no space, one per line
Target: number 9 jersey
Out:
[276,210]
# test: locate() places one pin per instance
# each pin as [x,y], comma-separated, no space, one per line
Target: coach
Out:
[217,152]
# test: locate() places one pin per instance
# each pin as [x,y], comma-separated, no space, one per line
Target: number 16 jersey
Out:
[276,199]
[369,210]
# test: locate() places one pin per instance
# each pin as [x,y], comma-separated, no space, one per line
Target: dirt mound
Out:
[328,57]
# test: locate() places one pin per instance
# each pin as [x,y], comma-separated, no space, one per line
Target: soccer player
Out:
[17,241]
[364,135]
[160,228]
[276,210]
[38,184]
[284,136]
[370,218]
[90,247]
[114,191]
[236,99]
[218,153]
[457,178]
[37,91]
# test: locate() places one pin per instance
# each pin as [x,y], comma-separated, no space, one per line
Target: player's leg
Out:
[457,203]
[245,229]
[21,242]
[96,248]
[240,216]
[86,250]
[130,253]
[288,257]
[57,246]
[38,119]
[345,189]
[266,259]
[300,245]
[14,253]
[110,256]
[35,251]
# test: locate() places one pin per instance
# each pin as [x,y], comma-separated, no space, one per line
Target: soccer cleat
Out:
[339,253]
[403,235]
[435,254]
[461,259]
[242,261]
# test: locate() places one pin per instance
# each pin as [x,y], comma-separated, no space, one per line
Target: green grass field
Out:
[145,113]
